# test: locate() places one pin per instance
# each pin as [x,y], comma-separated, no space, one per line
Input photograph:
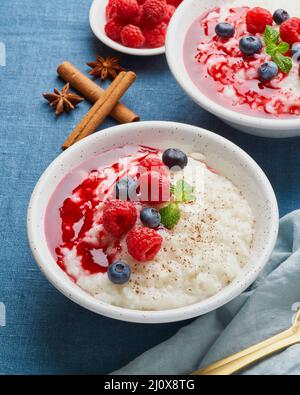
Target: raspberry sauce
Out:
[74,221]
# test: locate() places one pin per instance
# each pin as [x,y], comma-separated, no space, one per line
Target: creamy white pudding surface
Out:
[200,256]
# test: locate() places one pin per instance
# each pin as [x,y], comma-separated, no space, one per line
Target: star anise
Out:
[63,100]
[105,67]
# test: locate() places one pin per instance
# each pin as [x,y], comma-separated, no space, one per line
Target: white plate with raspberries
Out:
[134,27]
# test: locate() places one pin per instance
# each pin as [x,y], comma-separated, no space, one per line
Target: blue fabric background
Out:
[45,332]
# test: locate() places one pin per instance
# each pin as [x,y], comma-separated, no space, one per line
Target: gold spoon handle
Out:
[237,364]
[246,357]
[283,335]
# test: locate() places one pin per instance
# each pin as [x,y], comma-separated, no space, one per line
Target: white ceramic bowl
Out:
[221,154]
[97,22]
[185,15]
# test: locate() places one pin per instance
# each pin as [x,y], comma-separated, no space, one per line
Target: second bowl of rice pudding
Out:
[225,72]
[163,255]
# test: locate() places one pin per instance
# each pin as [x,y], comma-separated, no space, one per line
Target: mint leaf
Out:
[272,50]
[276,49]
[182,191]
[271,36]
[190,198]
[283,47]
[170,215]
[283,62]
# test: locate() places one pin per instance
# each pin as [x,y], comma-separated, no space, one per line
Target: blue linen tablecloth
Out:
[45,332]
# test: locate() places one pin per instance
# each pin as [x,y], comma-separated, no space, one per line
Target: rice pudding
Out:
[134,231]
[223,72]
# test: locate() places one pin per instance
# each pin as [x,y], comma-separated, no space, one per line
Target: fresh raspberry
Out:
[137,21]
[257,19]
[111,9]
[132,36]
[154,187]
[170,9]
[127,10]
[119,217]
[141,2]
[155,36]
[152,163]
[290,30]
[174,3]
[143,243]
[154,12]
[113,29]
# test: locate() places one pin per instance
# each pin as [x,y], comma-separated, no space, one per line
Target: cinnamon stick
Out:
[92,92]
[102,108]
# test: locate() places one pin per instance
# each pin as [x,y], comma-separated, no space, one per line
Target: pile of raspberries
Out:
[139,23]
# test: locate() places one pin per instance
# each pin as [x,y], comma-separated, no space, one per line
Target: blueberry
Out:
[280,16]
[225,30]
[126,189]
[250,45]
[150,217]
[174,157]
[119,272]
[296,51]
[267,71]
